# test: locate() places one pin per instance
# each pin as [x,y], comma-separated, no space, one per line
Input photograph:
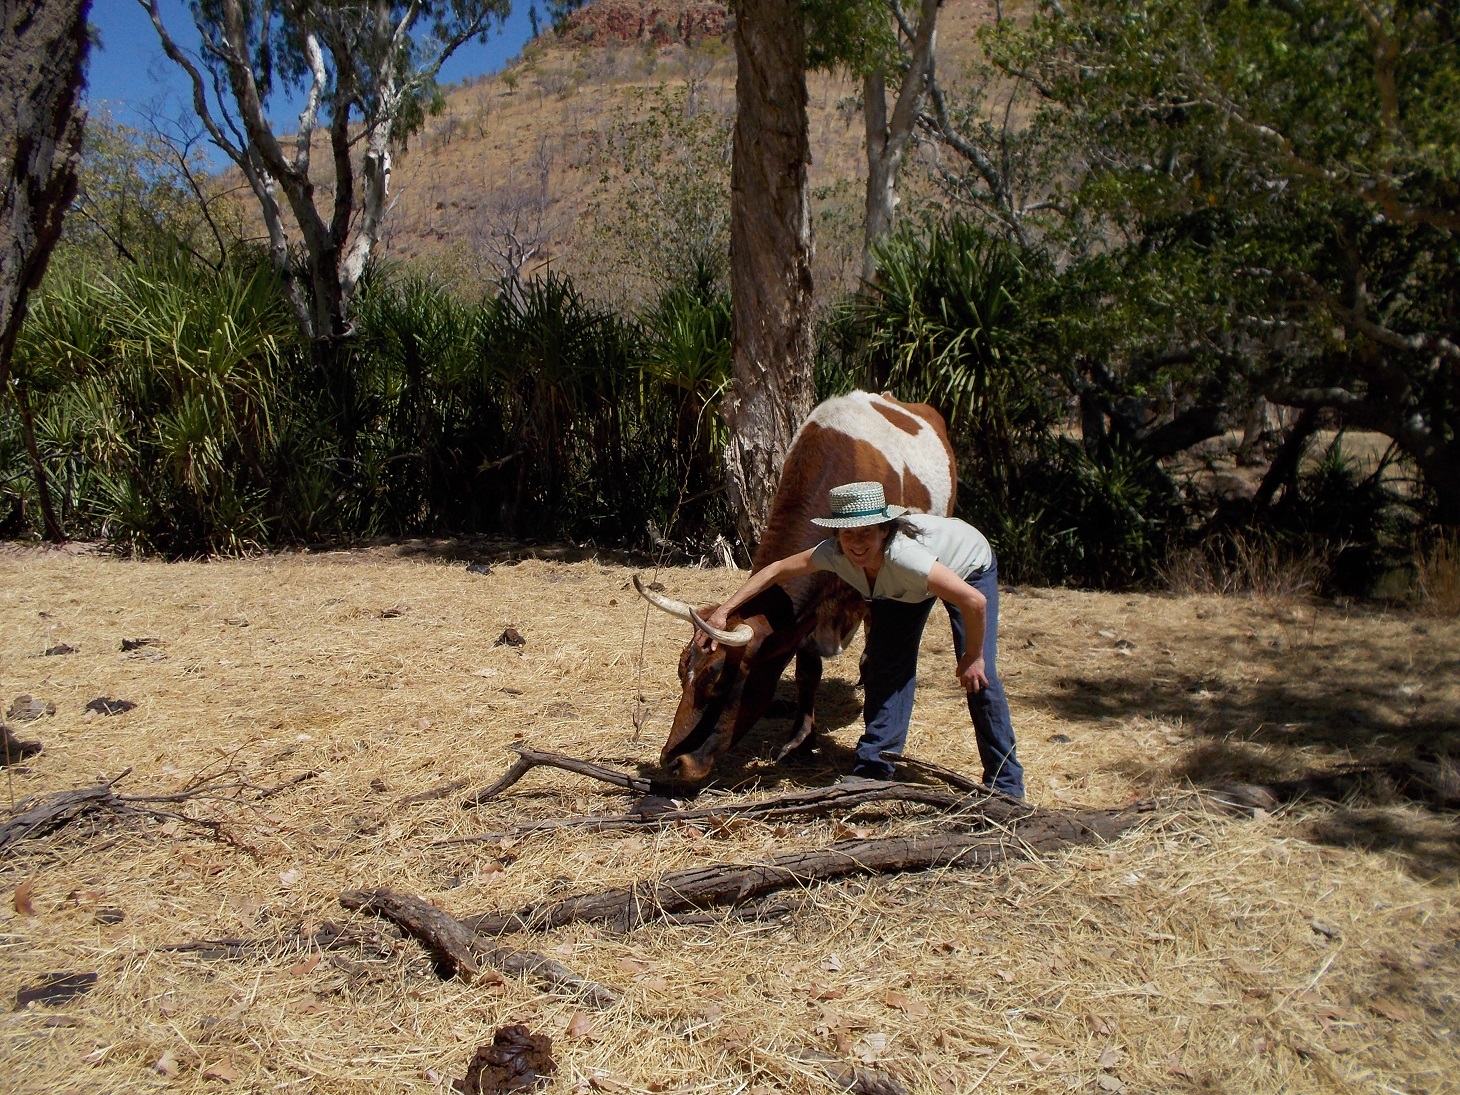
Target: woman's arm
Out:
[782,570]
[947,586]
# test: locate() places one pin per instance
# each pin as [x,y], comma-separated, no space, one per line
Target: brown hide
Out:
[726,691]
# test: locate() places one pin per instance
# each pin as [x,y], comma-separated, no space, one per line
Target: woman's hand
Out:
[971,673]
[720,621]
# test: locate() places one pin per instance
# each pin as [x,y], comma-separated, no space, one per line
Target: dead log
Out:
[723,884]
[839,798]
[455,945]
[528,759]
[947,775]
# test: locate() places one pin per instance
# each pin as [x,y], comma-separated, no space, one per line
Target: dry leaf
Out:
[289,877]
[1098,1025]
[818,991]
[246,907]
[96,1057]
[870,1047]
[1040,1061]
[1111,1058]
[299,969]
[1174,1067]
[223,1071]
[580,1026]
[1111,1083]
[655,984]
[166,1064]
[201,865]
[1390,1009]
[22,898]
[314,1007]
[833,963]
[908,1005]
[631,966]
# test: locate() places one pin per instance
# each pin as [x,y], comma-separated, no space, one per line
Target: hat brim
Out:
[891,513]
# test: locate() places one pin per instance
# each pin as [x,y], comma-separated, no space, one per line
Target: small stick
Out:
[441,790]
[288,783]
[528,759]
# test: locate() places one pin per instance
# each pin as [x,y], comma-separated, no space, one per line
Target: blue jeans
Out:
[890,675]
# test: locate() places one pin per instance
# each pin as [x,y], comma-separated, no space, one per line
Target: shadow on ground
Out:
[1311,721]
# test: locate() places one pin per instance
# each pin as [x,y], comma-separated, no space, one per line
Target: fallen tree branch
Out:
[464,952]
[838,798]
[443,935]
[39,817]
[734,883]
[528,759]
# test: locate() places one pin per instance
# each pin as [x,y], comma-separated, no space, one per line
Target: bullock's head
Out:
[725,688]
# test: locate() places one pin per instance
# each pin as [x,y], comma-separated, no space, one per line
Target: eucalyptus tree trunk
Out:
[770,257]
[887,136]
[43,47]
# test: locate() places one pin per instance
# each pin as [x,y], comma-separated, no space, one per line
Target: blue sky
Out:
[131,78]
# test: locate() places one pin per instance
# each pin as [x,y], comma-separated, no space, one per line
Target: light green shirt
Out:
[906,563]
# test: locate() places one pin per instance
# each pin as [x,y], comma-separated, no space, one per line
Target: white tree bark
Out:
[348,50]
[887,138]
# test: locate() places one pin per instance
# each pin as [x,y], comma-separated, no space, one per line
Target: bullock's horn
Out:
[741,636]
[675,608]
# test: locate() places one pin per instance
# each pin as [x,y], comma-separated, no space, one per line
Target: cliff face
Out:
[655,21]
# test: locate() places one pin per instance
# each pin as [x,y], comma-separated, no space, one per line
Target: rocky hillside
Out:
[528,167]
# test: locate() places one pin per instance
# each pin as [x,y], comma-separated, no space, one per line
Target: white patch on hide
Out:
[920,455]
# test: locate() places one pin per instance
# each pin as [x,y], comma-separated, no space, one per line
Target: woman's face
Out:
[862,545]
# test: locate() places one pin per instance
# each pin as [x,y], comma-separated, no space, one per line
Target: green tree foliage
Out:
[663,203]
[1262,196]
[959,318]
[141,197]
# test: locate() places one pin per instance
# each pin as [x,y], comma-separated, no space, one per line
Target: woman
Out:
[900,562]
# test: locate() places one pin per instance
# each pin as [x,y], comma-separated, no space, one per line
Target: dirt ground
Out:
[1312,949]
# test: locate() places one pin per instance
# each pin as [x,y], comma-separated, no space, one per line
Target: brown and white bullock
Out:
[861,436]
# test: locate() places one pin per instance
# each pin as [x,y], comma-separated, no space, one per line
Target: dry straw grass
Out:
[1310,951]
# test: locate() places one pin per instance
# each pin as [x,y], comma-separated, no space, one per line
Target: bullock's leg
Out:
[890,676]
[803,731]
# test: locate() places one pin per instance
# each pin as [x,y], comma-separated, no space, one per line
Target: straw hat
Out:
[857,504]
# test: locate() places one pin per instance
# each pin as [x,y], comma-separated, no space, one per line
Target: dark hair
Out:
[893,527]
[904,526]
